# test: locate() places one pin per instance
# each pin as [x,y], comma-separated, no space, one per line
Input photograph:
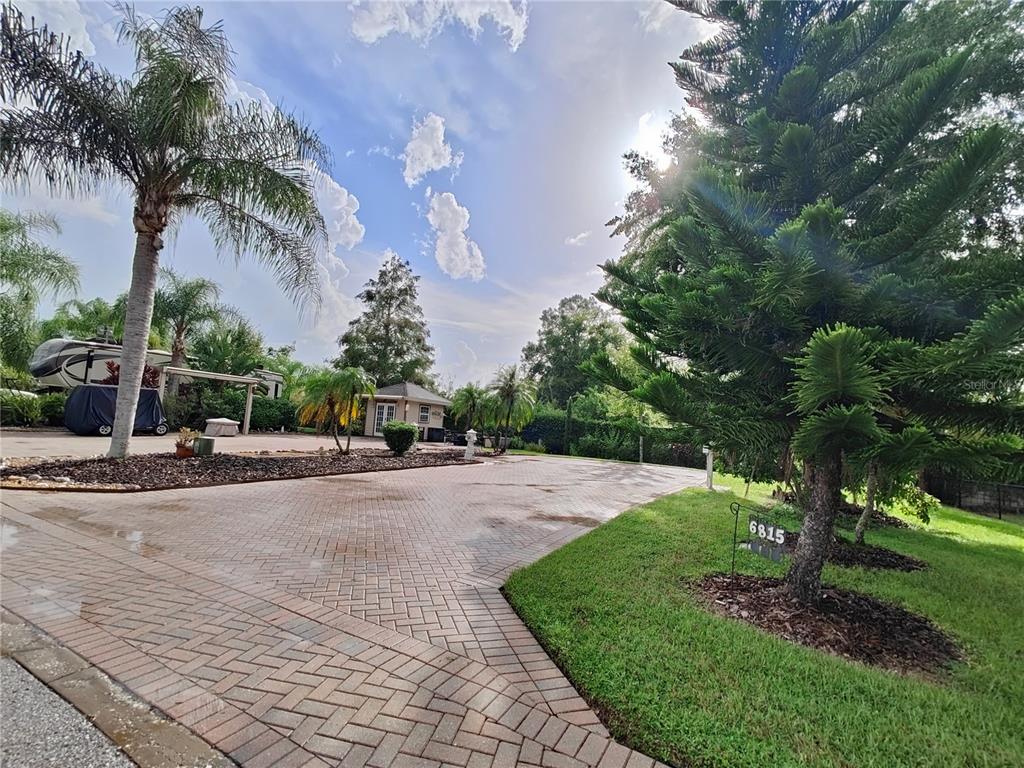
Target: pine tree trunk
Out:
[138,316]
[804,578]
[869,504]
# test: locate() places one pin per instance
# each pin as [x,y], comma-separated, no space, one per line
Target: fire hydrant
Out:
[470,442]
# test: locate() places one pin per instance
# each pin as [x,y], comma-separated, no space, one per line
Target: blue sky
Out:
[482,142]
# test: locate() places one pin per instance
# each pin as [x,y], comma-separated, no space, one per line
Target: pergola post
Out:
[248,408]
[163,383]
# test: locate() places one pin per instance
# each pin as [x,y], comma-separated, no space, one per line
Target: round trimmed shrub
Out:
[400,436]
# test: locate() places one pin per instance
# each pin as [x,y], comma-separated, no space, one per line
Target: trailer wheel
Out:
[161,430]
[105,430]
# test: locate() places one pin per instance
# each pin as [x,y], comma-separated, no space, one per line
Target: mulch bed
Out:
[150,472]
[849,514]
[846,554]
[844,623]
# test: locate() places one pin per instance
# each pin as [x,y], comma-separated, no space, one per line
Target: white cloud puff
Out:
[427,150]
[62,18]
[339,207]
[372,21]
[579,239]
[455,253]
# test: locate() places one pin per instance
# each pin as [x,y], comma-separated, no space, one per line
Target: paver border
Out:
[114,710]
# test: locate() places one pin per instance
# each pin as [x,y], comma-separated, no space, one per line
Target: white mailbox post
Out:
[470,442]
[709,467]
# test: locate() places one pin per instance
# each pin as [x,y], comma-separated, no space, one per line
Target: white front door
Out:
[385,413]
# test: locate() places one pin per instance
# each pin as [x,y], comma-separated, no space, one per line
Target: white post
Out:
[709,467]
[162,384]
[470,442]
[248,409]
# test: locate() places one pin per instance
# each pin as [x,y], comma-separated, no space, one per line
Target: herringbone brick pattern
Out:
[330,621]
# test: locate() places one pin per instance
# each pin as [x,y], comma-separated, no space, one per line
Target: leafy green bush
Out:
[18,410]
[15,378]
[913,501]
[51,408]
[200,403]
[270,414]
[400,436]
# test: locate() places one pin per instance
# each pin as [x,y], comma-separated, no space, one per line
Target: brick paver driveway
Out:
[329,621]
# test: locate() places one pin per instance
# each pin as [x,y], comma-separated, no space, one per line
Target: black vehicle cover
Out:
[91,406]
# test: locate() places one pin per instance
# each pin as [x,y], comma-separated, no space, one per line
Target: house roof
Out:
[412,391]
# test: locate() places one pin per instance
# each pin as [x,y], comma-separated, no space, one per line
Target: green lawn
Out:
[694,689]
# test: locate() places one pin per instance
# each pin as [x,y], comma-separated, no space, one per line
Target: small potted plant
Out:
[183,443]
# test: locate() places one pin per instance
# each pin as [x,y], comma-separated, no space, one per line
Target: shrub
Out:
[19,410]
[400,436]
[14,378]
[533,448]
[51,408]
[270,414]
[913,501]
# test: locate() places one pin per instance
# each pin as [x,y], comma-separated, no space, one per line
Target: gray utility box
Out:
[202,446]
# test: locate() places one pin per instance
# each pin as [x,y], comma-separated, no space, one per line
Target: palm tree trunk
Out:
[334,431]
[138,316]
[803,581]
[177,359]
[348,429]
[869,504]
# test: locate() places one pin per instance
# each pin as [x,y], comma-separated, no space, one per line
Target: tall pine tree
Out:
[389,340]
[808,285]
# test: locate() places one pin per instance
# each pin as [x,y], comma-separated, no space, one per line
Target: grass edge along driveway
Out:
[693,689]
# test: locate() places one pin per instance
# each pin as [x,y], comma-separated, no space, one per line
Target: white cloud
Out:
[246,93]
[427,150]
[455,253]
[336,307]
[656,15]
[579,239]
[372,21]
[339,207]
[62,18]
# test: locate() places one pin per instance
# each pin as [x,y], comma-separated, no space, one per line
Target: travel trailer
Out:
[66,363]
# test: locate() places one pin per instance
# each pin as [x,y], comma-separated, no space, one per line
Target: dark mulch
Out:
[847,554]
[849,514]
[159,471]
[843,623]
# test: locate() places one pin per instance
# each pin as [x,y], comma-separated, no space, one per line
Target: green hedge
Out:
[199,404]
[51,408]
[613,440]
[19,410]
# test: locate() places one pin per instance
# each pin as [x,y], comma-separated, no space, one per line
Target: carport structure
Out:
[249,381]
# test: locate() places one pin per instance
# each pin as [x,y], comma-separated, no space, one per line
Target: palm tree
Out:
[172,136]
[515,395]
[184,305]
[231,344]
[469,402]
[332,395]
[95,319]
[27,270]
